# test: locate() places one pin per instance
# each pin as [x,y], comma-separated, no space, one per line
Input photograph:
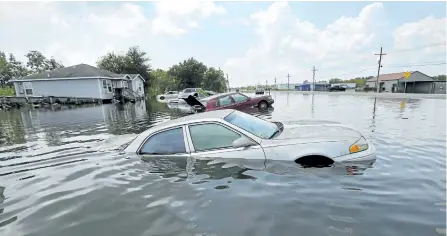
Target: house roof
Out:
[387,77]
[76,71]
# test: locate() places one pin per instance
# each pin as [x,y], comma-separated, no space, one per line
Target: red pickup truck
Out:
[231,100]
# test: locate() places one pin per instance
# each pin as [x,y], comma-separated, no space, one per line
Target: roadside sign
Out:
[407,75]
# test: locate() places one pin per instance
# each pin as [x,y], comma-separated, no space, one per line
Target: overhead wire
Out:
[432,64]
[391,65]
[399,65]
[420,47]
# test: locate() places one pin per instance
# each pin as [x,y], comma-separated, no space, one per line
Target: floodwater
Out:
[61,175]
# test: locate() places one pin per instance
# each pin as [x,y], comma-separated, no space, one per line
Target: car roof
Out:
[222,94]
[206,116]
[209,115]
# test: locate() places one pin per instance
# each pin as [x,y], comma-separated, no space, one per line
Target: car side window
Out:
[238,98]
[211,136]
[225,101]
[166,142]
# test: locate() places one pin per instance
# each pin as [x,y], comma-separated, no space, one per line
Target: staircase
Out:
[130,95]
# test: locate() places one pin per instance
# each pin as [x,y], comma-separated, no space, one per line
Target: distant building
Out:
[396,83]
[306,86]
[439,87]
[292,86]
[80,81]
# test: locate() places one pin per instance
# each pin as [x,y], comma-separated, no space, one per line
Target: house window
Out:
[28,88]
[104,84]
[109,86]
[20,88]
[125,85]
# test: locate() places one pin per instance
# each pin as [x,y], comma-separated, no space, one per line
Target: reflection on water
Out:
[60,174]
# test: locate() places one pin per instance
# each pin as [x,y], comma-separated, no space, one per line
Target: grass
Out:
[7,91]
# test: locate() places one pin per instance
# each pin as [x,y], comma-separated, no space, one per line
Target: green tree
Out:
[134,61]
[439,78]
[37,62]
[162,82]
[18,69]
[5,70]
[189,73]
[138,62]
[335,81]
[113,62]
[215,80]
[10,68]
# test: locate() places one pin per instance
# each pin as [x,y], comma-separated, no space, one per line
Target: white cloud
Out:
[425,38]
[176,17]
[81,32]
[287,44]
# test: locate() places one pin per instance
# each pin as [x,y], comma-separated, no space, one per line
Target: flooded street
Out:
[61,175]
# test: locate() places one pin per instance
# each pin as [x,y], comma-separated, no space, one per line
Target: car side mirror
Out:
[242,142]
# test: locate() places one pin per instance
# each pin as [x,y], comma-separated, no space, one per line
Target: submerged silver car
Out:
[234,134]
[168,95]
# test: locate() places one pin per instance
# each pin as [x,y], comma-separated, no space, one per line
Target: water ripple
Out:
[60,174]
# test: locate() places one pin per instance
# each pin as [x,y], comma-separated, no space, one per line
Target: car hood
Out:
[317,131]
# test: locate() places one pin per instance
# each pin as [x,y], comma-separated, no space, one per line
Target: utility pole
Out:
[378,70]
[275,83]
[313,77]
[228,83]
[288,81]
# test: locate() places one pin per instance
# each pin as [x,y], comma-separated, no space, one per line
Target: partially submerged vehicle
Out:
[336,88]
[230,100]
[260,91]
[233,134]
[195,92]
[168,95]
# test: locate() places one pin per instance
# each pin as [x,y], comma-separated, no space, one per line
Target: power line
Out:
[433,64]
[421,47]
[352,72]
[415,63]
[395,66]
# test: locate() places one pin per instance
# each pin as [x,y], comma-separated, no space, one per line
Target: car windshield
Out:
[254,125]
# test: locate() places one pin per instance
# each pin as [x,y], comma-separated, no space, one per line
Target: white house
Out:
[396,83]
[80,81]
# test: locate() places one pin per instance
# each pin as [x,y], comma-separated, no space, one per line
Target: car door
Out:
[226,102]
[241,101]
[214,140]
[170,142]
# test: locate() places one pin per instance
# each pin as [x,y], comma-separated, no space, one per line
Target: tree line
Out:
[187,73]
[359,81]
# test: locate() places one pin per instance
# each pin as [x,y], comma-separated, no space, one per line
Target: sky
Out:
[253,42]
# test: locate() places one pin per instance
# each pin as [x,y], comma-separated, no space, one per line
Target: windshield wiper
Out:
[274,133]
